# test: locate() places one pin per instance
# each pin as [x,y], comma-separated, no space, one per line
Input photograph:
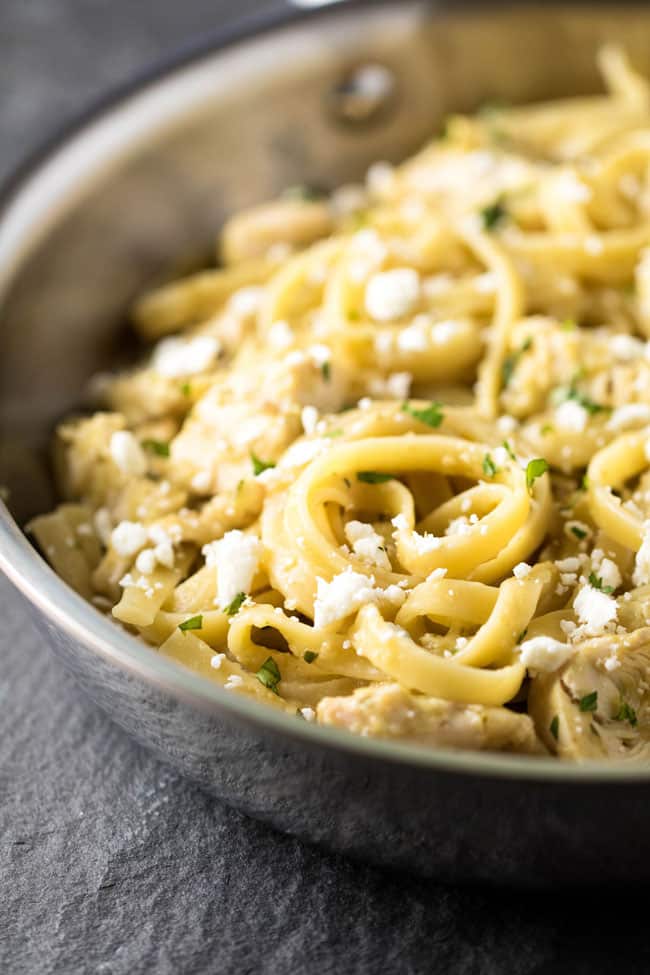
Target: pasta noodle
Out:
[388,467]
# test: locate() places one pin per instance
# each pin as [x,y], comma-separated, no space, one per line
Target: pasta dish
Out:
[386,467]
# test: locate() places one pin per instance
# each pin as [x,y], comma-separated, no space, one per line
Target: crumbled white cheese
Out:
[571,416]
[568,187]
[217,660]
[128,537]
[400,523]
[202,482]
[626,348]
[395,386]
[308,714]
[413,338]
[346,593]
[303,451]
[521,570]
[392,294]
[174,356]
[246,301]
[146,561]
[612,662]
[236,558]
[309,419]
[506,424]
[609,573]
[233,681]
[367,544]
[459,526]
[379,178]
[543,654]
[595,610]
[423,544]
[628,415]
[280,335]
[127,453]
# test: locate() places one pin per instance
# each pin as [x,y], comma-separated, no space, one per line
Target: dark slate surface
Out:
[109,862]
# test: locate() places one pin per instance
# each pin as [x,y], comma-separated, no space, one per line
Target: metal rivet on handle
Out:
[363,94]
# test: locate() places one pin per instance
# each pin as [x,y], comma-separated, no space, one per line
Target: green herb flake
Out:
[626,713]
[269,675]
[193,623]
[569,325]
[584,483]
[597,583]
[334,433]
[309,656]
[186,389]
[236,604]
[489,467]
[493,214]
[547,428]
[157,447]
[374,477]
[508,449]
[535,469]
[259,466]
[589,702]
[510,362]
[431,415]
[326,371]
[578,532]
[554,726]
[522,636]
[571,392]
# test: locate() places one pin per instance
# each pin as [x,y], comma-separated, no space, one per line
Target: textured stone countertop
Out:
[111,863]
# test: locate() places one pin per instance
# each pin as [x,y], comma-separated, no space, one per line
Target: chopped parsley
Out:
[489,467]
[547,428]
[568,325]
[535,469]
[431,415]
[597,583]
[309,656]
[259,466]
[510,362]
[522,636]
[326,371]
[374,477]
[236,604]
[584,483]
[193,623]
[578,532]
[269,675]
[626,713]
[571,392]
[186,389]
[508,449]
[589,702]
[157,447]
[554,726]
[334,433]
[493,214]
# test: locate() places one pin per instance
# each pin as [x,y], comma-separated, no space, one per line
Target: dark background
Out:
[109,862]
